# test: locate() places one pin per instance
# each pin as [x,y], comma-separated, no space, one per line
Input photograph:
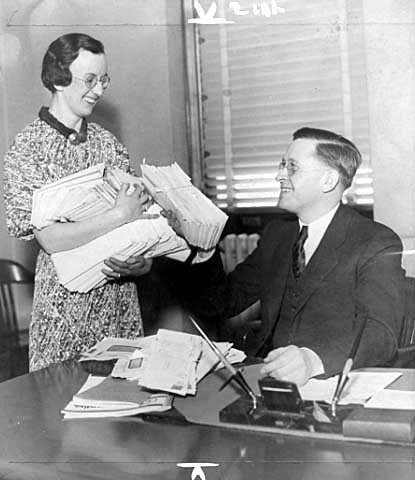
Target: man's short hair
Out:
[61,53]
[334,150]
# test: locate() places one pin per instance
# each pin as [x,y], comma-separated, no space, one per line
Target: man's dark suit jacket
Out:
[356,268]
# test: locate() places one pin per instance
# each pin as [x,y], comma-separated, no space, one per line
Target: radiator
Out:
[235,248]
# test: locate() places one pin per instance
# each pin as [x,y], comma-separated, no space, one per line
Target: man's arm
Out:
[379,295]
[380,290]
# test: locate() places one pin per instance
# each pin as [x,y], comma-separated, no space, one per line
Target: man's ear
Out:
[330,180]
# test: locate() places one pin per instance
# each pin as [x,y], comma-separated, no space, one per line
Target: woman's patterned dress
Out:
[63,323]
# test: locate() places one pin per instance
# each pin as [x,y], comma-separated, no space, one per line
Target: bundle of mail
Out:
[80,269]
[149,371]
[93,191]
[201,221]
[169,361]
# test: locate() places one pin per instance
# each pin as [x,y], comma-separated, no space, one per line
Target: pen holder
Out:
[280,406]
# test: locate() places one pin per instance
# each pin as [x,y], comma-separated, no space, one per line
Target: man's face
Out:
[79,100]
[300,176]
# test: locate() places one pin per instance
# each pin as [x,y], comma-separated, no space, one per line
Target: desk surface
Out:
[35,443]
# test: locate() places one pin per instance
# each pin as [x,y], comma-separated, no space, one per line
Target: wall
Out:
[390,54]
[144,107]
[145,104]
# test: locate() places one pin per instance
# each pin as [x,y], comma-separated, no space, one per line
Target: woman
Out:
[58,143]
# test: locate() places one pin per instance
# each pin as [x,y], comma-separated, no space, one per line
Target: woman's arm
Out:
[65,236]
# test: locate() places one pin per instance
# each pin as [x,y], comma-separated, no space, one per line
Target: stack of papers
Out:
[169,361]
[106,397]
[112,348]
[79,196]
[93,191]
[172,362]
[201,220]
[392,399]
[360,387]
[80,269]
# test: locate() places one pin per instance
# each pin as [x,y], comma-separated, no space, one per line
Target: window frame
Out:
[194,112]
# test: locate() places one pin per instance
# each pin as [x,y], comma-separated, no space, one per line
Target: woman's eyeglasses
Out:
[91,81]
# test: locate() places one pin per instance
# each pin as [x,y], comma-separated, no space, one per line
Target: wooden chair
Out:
[11,350]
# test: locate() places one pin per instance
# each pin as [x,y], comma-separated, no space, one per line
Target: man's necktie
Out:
[299,253]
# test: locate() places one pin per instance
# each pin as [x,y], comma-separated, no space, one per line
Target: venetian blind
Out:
[264,77]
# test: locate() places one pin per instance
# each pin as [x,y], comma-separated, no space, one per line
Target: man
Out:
[317,289]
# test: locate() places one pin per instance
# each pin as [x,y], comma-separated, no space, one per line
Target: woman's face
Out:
[77,100]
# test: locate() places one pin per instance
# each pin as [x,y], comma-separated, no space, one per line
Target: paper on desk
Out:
[105,397]
[169,361]
[111,348]
[394,399]
[172,362]
[360,387]
[91,381]
[209,360]
[132,367]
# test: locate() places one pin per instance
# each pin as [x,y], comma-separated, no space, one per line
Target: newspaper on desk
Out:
[169,361]
[93,191]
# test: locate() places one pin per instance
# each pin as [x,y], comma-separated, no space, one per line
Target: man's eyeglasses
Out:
[91,81]
[293,168]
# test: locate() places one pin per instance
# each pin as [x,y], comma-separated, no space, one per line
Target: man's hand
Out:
[132,267]
[173,222]
[292,364]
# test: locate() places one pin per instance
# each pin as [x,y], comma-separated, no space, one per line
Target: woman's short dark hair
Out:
[61,53]
[335,151]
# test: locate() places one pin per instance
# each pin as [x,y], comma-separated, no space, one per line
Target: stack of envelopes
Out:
[149,370]
[201,220]
[79,196]
[93,191]
[169,361]
[80,269]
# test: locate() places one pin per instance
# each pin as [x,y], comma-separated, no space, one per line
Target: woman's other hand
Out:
[130,206]
[132,267]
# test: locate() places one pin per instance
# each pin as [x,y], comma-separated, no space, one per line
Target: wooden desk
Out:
[36,444]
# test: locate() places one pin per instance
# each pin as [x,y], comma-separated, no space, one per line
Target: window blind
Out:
[263,77]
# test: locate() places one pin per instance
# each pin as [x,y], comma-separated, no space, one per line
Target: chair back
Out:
[11,273]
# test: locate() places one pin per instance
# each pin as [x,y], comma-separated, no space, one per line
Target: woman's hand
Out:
[132,267]
[130,206]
